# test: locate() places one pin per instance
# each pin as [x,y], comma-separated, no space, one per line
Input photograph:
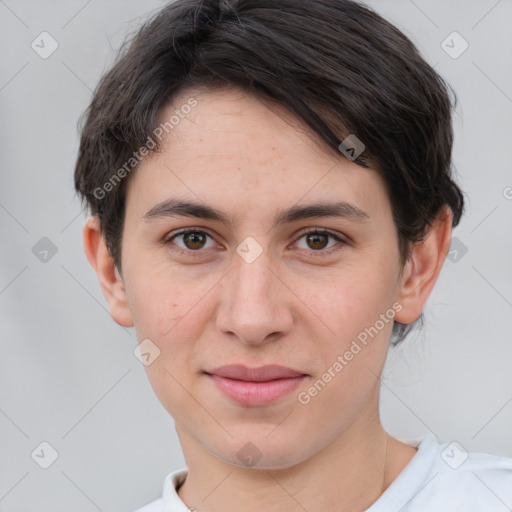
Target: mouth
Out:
[255,386]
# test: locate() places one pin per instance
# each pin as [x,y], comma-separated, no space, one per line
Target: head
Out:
[231,120]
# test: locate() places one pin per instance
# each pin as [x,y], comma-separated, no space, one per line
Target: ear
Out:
[422,269]
[109,277]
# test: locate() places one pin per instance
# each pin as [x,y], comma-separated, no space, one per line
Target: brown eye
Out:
[194,240]
[191,240]
[317,241]
[320,243]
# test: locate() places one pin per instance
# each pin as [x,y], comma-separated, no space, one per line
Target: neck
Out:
[347,475]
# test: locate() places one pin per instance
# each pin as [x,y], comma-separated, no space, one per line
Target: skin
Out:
[251,160]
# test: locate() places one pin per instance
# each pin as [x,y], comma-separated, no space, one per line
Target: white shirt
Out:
[439,478]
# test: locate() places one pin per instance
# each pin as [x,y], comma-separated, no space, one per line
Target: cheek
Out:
[350,304]
[347,300]
[162,299]
[172,309]
[156,308]
[173,319]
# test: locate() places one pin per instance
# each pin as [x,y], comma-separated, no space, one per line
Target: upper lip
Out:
[260,374]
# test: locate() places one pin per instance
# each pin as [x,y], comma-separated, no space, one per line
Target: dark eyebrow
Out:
[180,208]
[340,209]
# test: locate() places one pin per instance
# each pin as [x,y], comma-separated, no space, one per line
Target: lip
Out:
[259,374]
[255,386]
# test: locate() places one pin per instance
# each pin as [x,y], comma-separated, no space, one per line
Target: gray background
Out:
[68,375]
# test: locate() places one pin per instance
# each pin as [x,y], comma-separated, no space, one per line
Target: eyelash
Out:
[319,253]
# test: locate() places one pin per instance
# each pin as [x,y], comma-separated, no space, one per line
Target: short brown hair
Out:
[335,64]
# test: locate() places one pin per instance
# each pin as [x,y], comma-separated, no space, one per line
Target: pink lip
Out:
[256,386]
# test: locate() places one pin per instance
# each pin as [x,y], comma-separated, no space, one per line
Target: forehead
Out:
[234,145]
[232,122]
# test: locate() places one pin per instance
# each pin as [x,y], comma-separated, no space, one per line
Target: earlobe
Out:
[423,268]
[110,279]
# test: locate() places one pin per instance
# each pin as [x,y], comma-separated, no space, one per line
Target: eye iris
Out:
[192,239]
[319,240]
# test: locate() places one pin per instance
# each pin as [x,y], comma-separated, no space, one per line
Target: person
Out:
[271,198]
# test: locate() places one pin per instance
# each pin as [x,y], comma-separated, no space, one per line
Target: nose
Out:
[256,306]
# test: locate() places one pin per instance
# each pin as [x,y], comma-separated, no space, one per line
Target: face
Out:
[267,279]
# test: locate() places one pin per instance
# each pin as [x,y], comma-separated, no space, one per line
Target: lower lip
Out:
[256,393]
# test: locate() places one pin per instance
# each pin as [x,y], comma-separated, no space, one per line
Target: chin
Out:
[260,452]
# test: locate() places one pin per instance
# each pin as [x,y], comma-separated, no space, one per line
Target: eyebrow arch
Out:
[181,208]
